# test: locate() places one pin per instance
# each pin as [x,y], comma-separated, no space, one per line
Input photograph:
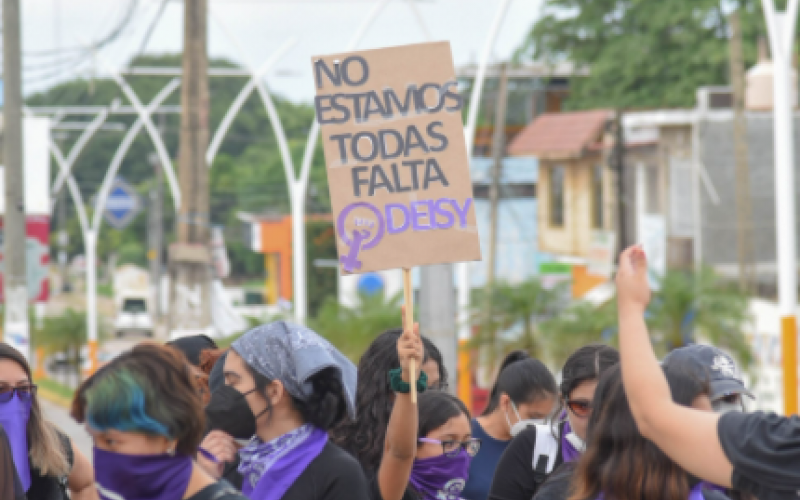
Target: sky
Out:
[249,32]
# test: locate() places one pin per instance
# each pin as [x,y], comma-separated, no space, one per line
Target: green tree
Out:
[580,324]
[690,307]
[351,330]
[518,310]
[641,53]
[62,333]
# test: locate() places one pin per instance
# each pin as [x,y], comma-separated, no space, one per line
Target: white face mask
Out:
[576,442]
[521,425]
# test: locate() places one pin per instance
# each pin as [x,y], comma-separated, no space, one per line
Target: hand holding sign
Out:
[408,324]
[411,353]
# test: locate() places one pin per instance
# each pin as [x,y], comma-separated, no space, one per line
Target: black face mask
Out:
[229,412]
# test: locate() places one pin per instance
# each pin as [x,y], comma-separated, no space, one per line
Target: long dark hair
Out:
[364,436]
[523,379]
[46,451]
[619,462]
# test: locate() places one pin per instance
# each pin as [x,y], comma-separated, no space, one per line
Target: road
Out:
[60,417]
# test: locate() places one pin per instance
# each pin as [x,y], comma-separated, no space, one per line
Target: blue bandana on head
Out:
[293,354]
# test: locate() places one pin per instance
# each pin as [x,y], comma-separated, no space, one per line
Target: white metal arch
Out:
[464,331]
[93,229]
[236,106]
[123,148]
[297,186]
[66,164]
[144,116]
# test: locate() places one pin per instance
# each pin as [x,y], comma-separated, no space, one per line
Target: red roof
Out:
[560,135]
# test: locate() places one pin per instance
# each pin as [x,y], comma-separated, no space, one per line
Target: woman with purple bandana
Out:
[47,463]
[286,387]
[429,446]
[540,449]
[146,418]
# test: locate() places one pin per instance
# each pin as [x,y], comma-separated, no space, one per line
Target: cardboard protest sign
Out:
[397,162]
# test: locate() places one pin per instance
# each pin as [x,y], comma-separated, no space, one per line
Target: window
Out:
[557,196]
[652,190]
[596,190]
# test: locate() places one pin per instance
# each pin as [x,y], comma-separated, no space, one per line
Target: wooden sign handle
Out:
[408,293]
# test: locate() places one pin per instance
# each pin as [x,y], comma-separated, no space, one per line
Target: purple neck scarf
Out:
[14,416]
[270,469]
[568,452]
[441,477]
[141,477]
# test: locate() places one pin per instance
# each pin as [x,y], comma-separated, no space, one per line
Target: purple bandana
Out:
[141,477]
[14,416]
[441,477]
[269,469]
[568,452]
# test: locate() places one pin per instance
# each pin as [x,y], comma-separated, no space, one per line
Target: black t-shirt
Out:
[764,450]
[514,478]
[375,489]
[218,491]
[558,483]
[333,475]
[47,487]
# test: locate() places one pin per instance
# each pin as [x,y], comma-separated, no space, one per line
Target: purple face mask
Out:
[14,415]
[141,477]
[441,477]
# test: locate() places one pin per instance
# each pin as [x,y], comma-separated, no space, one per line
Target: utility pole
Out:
[498,152]
[15,286]
[618,165]
[781,27]
[155,234]
[437,302]
[744,208]
[190,258]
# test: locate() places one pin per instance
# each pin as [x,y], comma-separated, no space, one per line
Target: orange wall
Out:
[276,238]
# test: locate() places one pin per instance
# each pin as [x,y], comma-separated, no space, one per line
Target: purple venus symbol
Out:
[360,239]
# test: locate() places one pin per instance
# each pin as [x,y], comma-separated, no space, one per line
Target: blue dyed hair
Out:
[119,401]
[148,390]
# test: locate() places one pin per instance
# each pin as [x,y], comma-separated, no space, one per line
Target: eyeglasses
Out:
[24,392]
[451,448]
[580,407]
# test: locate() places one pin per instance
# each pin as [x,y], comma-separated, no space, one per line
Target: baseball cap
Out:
[709,363]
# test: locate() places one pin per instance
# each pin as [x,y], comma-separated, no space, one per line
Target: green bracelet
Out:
[398,385]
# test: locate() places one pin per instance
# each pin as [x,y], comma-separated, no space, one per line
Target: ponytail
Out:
[523,379]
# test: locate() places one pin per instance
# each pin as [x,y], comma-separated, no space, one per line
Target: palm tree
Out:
[700,304]
[687,306]
[580,324]
[517,311]
[352,329]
